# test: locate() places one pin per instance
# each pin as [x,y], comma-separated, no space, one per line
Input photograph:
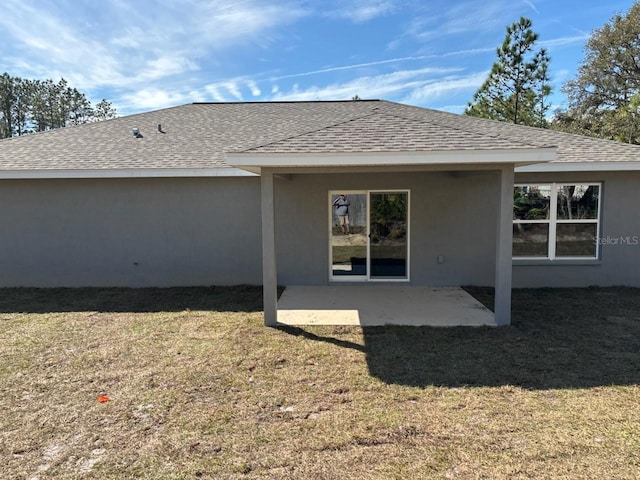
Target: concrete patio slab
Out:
[370,305]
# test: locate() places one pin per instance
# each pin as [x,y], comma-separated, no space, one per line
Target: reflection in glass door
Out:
[349,235]
[388,234]
[369,235]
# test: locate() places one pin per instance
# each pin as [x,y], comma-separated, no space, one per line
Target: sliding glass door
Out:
[369,235]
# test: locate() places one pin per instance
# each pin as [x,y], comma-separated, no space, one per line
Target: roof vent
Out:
[160,129]
[136,132]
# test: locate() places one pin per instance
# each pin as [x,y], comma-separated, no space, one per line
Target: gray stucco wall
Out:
[451,214]
[130,232]
[619,263]
[172,232]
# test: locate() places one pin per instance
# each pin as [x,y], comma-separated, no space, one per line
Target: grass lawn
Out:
[198,388]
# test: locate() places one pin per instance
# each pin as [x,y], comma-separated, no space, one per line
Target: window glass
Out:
[576,239]
[531,202]
[578,202]
[530,239]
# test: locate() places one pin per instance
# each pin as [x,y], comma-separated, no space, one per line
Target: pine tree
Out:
[38,105]
[517,86]
[104,110]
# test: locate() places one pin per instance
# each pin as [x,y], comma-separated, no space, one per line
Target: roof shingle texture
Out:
[198,136]
[384,132]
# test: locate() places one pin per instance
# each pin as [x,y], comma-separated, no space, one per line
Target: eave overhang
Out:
[254,162]
[125,173]
[580,167]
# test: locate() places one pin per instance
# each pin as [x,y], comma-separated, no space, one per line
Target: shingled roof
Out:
[387,132]
[199,135]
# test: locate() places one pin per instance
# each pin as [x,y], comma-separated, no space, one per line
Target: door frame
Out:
[367,278]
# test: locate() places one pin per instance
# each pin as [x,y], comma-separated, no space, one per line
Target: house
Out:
[242,193]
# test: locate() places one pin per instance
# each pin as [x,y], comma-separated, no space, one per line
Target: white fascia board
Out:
[251,161]
[126,173]
[579,167]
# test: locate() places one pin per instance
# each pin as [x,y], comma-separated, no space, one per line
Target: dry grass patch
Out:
[200,389]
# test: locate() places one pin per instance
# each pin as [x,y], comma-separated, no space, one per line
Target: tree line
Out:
[603,99]
[28,106]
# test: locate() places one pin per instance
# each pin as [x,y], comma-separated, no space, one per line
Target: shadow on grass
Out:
[301,332]
[559,338]
[44,300]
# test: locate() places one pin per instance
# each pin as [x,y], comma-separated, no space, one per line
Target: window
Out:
[556,220]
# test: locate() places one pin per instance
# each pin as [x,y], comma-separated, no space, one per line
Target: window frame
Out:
[553,221]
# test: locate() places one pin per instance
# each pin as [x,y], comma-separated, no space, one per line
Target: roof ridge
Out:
[285,101]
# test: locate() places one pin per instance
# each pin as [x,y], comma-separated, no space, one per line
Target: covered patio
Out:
[375,305]
[410,158]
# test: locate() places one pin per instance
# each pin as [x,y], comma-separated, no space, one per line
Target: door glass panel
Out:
[349,234]
[388,228]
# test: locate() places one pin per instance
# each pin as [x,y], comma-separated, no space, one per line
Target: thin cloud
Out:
[531,5]
[381,62]
[214,93]
[165,66]
[440,87]
[151,98]
[452,108]
[134,44]
[359,11]
[461,18]
[196,96]
[467,52]
[564,41]
[233,89]
[416,84]
[253,86]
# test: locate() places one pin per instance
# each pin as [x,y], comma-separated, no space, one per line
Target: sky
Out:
[149,54]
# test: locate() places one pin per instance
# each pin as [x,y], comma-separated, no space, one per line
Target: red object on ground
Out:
[103,398]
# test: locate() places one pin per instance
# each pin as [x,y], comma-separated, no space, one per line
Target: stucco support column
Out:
[504,247]
[269,268]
